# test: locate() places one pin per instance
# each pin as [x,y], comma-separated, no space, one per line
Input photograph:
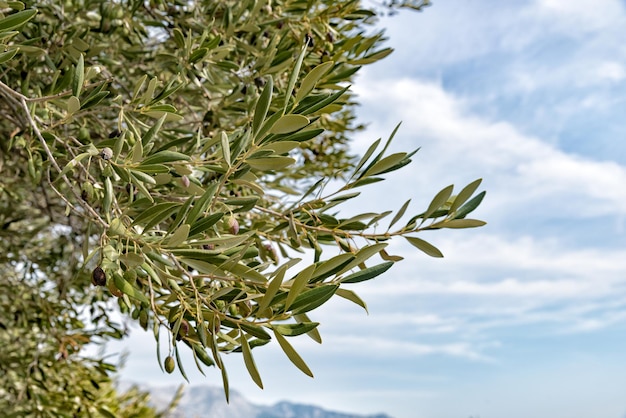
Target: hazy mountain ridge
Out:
[208,401]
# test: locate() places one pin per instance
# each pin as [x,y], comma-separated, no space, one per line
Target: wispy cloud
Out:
[576,18]
[520,168]
[372,347]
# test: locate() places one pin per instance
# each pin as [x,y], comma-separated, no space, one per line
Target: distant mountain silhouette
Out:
[208,401]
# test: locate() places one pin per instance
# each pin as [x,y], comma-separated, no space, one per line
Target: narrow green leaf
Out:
[294,76]
[179,236]
[424,246]
[205,223]
[289,123]
[138,85]
[74,162]
[465,194]
[314,334]
[313,298]
[272,288]
[399,215]
[244,203]
[225,147]
[166,156]
[311,79]
[79,76]
[462,223]
[152,168]
[368,273]
[387,257]
[292,330]
[155,214]
[303,135]
[384,164]
[15,5]
[180,363]
[366,156]
[198,54]
[108,195]
[382,152]
[106,412]
[352,297]
[16,19]
[8,55]
[203,355]
[363,182]
[270,163]
[291,353]
[262,106]
[181,215]
[245,272]
[469,207]
[332,265]
[151,133]
[132,259]
[128,289]
[249,361]
[378,217]
[438,201]
[362,255]
[93,99]
[267,125]
[142,177]
[147,95]
[225,382]
[348,196]
[281,147]
[373,57]
[255,330]
[137,153]
[157,330]
[298,284]
[201,205]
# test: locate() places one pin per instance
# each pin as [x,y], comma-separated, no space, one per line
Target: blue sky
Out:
[526,316]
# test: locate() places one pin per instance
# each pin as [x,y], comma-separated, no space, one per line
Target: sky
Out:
[525,316]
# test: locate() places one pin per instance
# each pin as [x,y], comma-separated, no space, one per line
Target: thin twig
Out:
[53,161]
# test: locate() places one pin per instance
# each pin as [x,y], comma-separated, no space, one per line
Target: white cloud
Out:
[578,16]
[518,167]
[374,347]
[611,71]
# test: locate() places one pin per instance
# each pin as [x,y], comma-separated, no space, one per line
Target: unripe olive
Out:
[84,135]
[143,319]
[169,364]
[98,277]
[232,309]
[233,225]
[271,252]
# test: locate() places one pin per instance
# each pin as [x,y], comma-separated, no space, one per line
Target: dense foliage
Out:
[168,160]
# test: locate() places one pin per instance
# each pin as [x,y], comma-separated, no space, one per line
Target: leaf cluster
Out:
[189,151]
